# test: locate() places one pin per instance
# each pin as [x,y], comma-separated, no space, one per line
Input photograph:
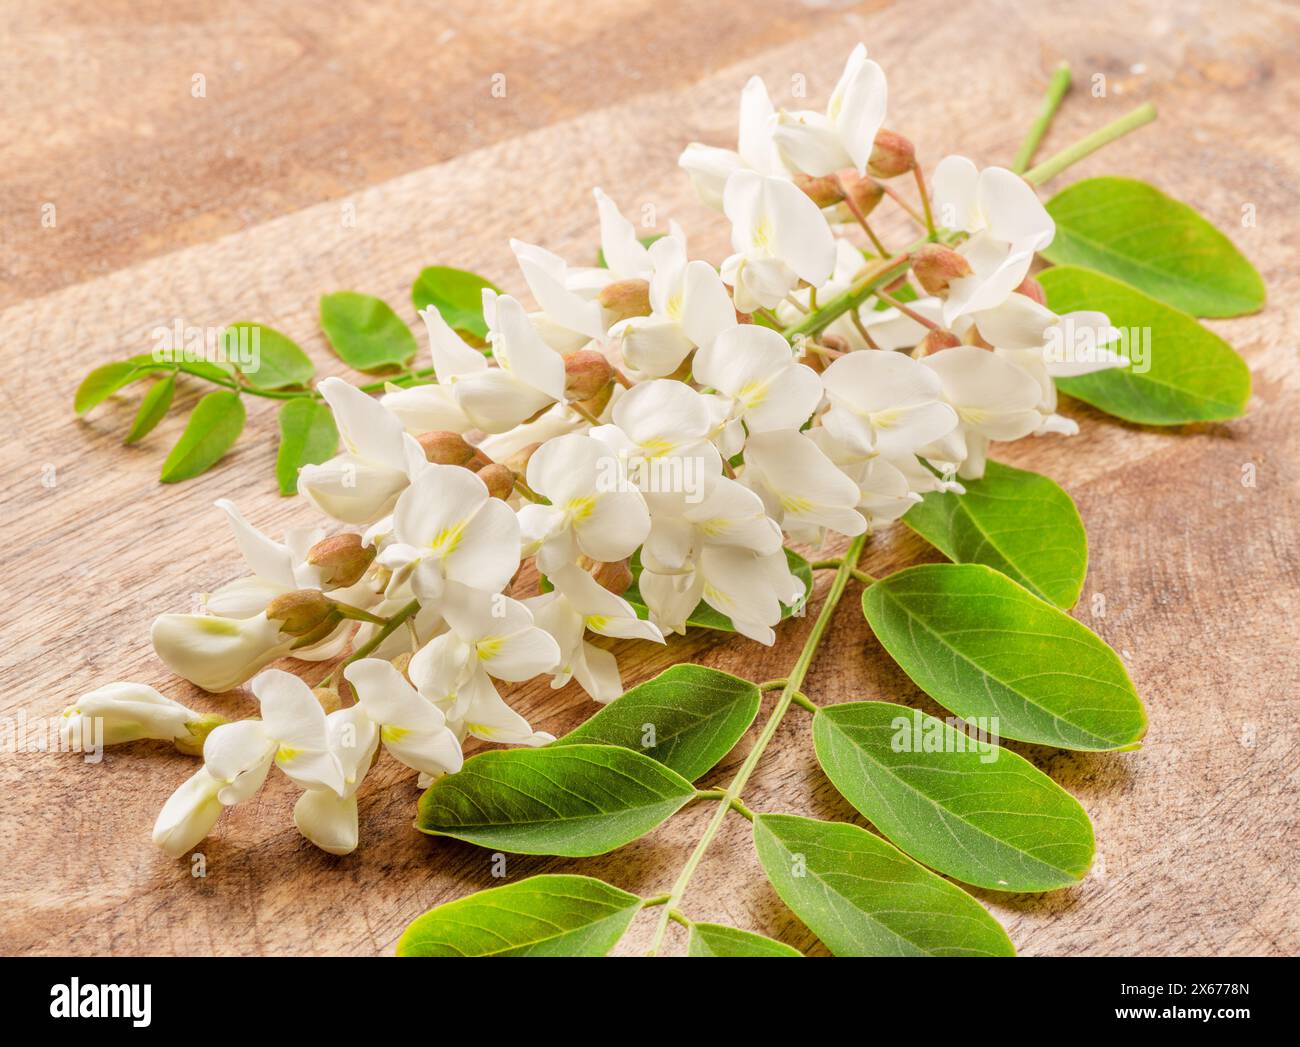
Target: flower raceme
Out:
[654,419]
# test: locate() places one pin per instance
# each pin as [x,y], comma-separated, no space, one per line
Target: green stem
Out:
[1130,121]
[391,625]
[803,701]
[788,692]
[1056,89]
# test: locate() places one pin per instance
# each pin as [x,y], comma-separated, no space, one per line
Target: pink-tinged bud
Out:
[341,559]
[445,448]
[895,285]
[626,298]
[586,373]
[1031,288]
[597,404]
[823,191]
[616,577]
[401,662]
[302,611]
[835,342]
[500,481]
[865,193]
[934,341]
[328,697]
[935,265]
[891,155]
[972,336]
[517,463]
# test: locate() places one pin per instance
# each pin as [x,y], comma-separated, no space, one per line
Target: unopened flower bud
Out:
[616,577]
[934,341]
[1031,288]
[891,155]
[401,662]
[586,373]
[597,404]
[517,463]
[823,191]
[626,298]
[499,479]
[935,265]
[445,448]
[197,731]
[301,611]
[328,697]
[341,559]
[864,192]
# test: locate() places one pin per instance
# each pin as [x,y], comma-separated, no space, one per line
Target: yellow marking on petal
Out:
[717,596]
[974,415]
[490,647]
[286,753]
[753,393]
[218,626]
[715,526]
[581,508]
[791,504]
[597,621]
[657,446]
[480,729]
[887,418]
[445,541]
[390,733]
[673,307]
[762,235]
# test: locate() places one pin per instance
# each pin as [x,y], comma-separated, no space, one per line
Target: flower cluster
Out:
[649,433]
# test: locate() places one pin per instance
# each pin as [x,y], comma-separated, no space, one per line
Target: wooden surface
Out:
[230,207]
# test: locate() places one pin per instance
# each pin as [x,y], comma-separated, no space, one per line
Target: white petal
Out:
[707,309]
[368,429]
[523,351]
[452,356]
[956,188]
[188,815]
[269,560]
[624,253]
[544,273]
[217,653]
[328,820]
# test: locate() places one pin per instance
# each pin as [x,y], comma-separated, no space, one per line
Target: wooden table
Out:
[231,206]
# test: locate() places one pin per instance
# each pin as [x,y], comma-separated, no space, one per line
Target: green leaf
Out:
[963,806]
[1019,522]
[153,408]
[104,381]
[268,359]
[688,718]
[212,430]
[365,331]
[456,294]
[713,939]
[982,646]
[1181,373]
[863,897]
[308,436]
[540,916]
[574,800]
[1135,233]
[704,616]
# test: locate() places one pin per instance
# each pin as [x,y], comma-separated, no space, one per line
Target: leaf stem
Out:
[804,702]
[1130,121]
[925,200]
[1056,89]
[788,692]
[393,623]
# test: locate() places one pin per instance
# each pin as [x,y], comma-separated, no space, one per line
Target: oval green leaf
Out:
[365,331]
[1020,523]
[104,381]
[982,646]
[308,436]
[958,803]
[574,800]
[864,897]
[688,718]
[715,939]
[456,294]
[267,358]
[540,916]
[153,408]
[1181,371]
[1135,233]
[212,430]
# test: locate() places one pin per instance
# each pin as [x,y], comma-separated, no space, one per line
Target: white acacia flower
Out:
[447,527]
[326,818]
[884,403]
[567,296]
[529,376]
[709,167]
[886,488]
[801,488]
[238,756]
[994,400]
[754,368]
[823,143]
[379,459]
[578,603]
[412,728]
[426,408]
[892,329]
[780,237]
[218,653]
[1007,223]
[690,307]
[594,509]
[126,712]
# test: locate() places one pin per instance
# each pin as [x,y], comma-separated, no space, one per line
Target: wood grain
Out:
[1193,576]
